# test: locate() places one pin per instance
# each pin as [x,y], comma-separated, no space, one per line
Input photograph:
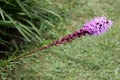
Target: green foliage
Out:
[24,21]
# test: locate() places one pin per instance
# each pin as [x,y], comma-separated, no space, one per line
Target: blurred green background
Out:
[28,24]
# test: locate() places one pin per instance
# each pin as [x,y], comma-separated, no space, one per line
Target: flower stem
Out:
[63,40]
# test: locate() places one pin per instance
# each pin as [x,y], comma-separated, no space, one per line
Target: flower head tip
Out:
[97,26]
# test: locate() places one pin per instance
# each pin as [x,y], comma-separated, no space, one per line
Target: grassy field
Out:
[86,58]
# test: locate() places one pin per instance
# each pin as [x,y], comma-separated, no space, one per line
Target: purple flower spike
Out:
[97,26]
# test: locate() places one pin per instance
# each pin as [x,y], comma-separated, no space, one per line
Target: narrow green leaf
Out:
[52,12]
[6,23]
[2,15]
[21,5]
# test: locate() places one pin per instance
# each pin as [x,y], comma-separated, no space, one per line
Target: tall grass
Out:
[26,21]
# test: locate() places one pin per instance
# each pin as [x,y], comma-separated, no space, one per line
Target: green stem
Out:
[31,52]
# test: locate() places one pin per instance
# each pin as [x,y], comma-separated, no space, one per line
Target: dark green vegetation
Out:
[28,24]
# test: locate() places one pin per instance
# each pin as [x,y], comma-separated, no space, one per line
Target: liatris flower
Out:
[97,26]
